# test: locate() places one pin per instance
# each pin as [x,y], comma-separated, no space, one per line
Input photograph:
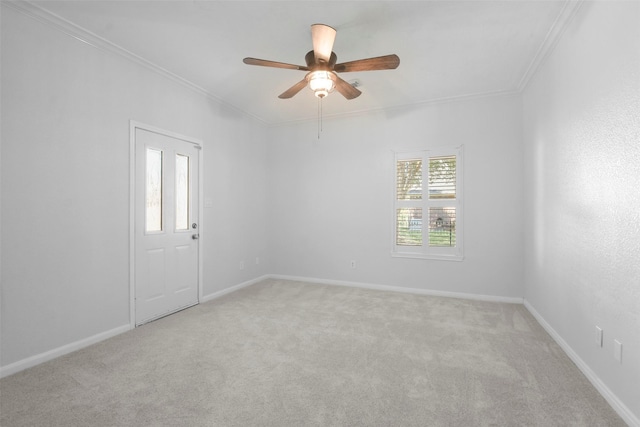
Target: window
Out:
[182,192]
[427,207]
[153,198]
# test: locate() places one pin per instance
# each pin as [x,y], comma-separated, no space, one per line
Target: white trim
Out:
[418,255]
[37,359]
[133,125]
[430,292]
[83,35]
[399,108]
[200,149]
[132,222]
[234,288]
[622,410]
[29,362]
[552,38]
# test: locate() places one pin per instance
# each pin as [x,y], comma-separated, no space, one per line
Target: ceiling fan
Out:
[322,68]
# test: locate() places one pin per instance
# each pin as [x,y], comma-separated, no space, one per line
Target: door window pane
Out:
[153,202]
[182,192]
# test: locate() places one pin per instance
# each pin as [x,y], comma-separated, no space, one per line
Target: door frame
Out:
[133,125]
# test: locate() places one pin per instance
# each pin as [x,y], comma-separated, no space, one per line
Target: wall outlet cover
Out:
[617,350]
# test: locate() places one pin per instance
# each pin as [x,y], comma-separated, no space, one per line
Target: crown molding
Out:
[550,41]
[85,36]
[399,109]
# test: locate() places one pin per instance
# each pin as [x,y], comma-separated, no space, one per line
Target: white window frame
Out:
[425,251]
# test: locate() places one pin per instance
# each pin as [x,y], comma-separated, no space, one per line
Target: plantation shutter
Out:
[408,189]
[442,186]
[442,177]
[428,204]
[409,179]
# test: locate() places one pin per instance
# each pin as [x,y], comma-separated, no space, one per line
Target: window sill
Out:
[440,257]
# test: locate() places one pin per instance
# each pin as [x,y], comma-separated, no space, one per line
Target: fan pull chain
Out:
[319,116]
[321,113]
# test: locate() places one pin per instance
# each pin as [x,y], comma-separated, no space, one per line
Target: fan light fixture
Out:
[321,82]
[322,68]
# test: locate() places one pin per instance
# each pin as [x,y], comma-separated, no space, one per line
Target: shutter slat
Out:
[442,177]
[442,227]
[409,179]
[409,227]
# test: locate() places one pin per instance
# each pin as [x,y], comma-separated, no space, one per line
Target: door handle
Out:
[195,236]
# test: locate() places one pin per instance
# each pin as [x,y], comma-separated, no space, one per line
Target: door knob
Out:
[195,236]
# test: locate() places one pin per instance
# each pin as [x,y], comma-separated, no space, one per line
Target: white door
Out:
[166,225]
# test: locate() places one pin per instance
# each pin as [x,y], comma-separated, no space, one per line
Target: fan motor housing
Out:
[310,59]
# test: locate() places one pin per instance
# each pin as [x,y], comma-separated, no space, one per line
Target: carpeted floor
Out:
[293,354]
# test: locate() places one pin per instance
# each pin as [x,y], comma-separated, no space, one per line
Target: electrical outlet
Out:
[241,265]
[617,350]
[598,336]
[353,264]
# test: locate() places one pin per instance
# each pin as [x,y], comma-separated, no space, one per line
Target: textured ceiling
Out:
[447,49]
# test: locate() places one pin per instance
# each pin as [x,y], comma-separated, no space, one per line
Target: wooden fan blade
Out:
[322,37]
[347,90]
[289,93]
[274,64]
[387,62]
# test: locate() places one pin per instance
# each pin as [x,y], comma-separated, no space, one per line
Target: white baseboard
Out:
[234,288]
[622,410]
[491,298]
[32,361]
[60,351]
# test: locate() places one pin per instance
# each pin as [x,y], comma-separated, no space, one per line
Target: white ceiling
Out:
[447,49]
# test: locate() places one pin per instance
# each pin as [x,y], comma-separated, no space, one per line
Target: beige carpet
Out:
[294,354]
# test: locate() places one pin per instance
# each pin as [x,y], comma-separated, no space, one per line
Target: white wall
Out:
[582,158]
[308,207]
[65,184]
[65,189]
[332,197]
